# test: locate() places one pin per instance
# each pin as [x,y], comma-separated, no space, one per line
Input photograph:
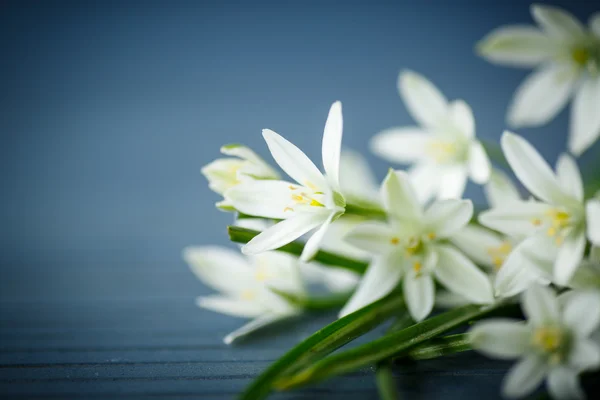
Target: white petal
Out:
[582,312]
[524,377]
[541,96]
[426,179]
[453,182]
[445,217]
[500,190]
[458,274]
[521,46]
[587,275]
[293,161]
[424,101]
[285,232]
[419,294]
[262,198]
[557,22]
[221,174]
[563,384]
[585,118]
[540,305]
[243,152]
[584,354]
[381,278]
[531,169]
[570,254]
[594,24]
[515,219]
[479,164]
[447,299]
[332,144]
[569,176]
[399,197]
[231,306]
[500,338]
[401,145]
[372,236]
[356,179]
[592,210]
[252,326]
[220,268]
[312,245]
[462,118]
[476,242]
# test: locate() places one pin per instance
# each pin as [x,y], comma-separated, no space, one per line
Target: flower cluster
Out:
[415,235]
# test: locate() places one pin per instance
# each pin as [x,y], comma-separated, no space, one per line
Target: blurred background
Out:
[109,109]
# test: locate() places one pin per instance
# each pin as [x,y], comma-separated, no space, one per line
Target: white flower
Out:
[244,165]
[245,285]
[313,202]
[554,342]
[554,226]
[567,57]
[443,150]
[412,247]
[357,182]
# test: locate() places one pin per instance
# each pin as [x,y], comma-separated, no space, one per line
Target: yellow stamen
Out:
[315,203]
[417,267]
[499,254]
[292,187]
[548,339]
[298,198]
[431,235]
[536,221]
[394,241]
[580,56]
[248,294]
[288,209]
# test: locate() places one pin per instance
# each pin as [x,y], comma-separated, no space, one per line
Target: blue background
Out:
[109,109]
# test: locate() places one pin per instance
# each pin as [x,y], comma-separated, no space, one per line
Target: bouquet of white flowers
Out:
[527,268]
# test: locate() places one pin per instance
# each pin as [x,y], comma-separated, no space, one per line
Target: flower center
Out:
[443,151]
[248,294]
[580,55]
[557,222]
[304,197]
[499,253]
[552,341]
[587,56]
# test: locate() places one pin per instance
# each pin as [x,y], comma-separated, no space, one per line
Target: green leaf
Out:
[390,345]
[323,342]
[386,384]
[439,347]
[242,235]
[370,211]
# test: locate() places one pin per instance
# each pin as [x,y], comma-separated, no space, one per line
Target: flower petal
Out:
[531,169]
[419,294]
[592,210]
[570,254]
[312,245]
[462,118]
[594,24]
[500,338]
[262,198]
[453,182]
[540,305]
[584,354]
[245,153]
[569,176]
[293,161]
[399,197]
[220,268]
[445,217]
[518,46]
[479,164]
[524,377]
[332,144]
[401,145]
[541,96]
[581,312]
[557,22]
[500,190]
[252,326]
[426,179]
[459,275]
[357,180]
[231,306]
[372,236]
[477,243]
[515,219]
[285,232]
[424,101]
[585,118]
[563,384]
[381,278]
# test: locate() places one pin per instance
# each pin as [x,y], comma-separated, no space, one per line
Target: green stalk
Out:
[317,303]
[386,384]
[323,342]
[243,235]
[442,346]
[369,211]
[390,345]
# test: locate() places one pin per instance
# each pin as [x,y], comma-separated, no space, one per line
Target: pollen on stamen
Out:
[248,294]
[536,221]
[431,235]
[417,267]
[292,187]
[394,241]
[288,209]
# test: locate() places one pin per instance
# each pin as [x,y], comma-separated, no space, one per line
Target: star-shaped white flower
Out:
[555,225]
[443,150]
[567,57]
[554,343]
[314,201]
[245,285]
[413,248]
[243,165]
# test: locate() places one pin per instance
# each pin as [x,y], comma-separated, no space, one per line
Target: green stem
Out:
[323,342]
[390,345]
[326,302]
[243,235]
[442,346]
[386,385]
[369,211]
